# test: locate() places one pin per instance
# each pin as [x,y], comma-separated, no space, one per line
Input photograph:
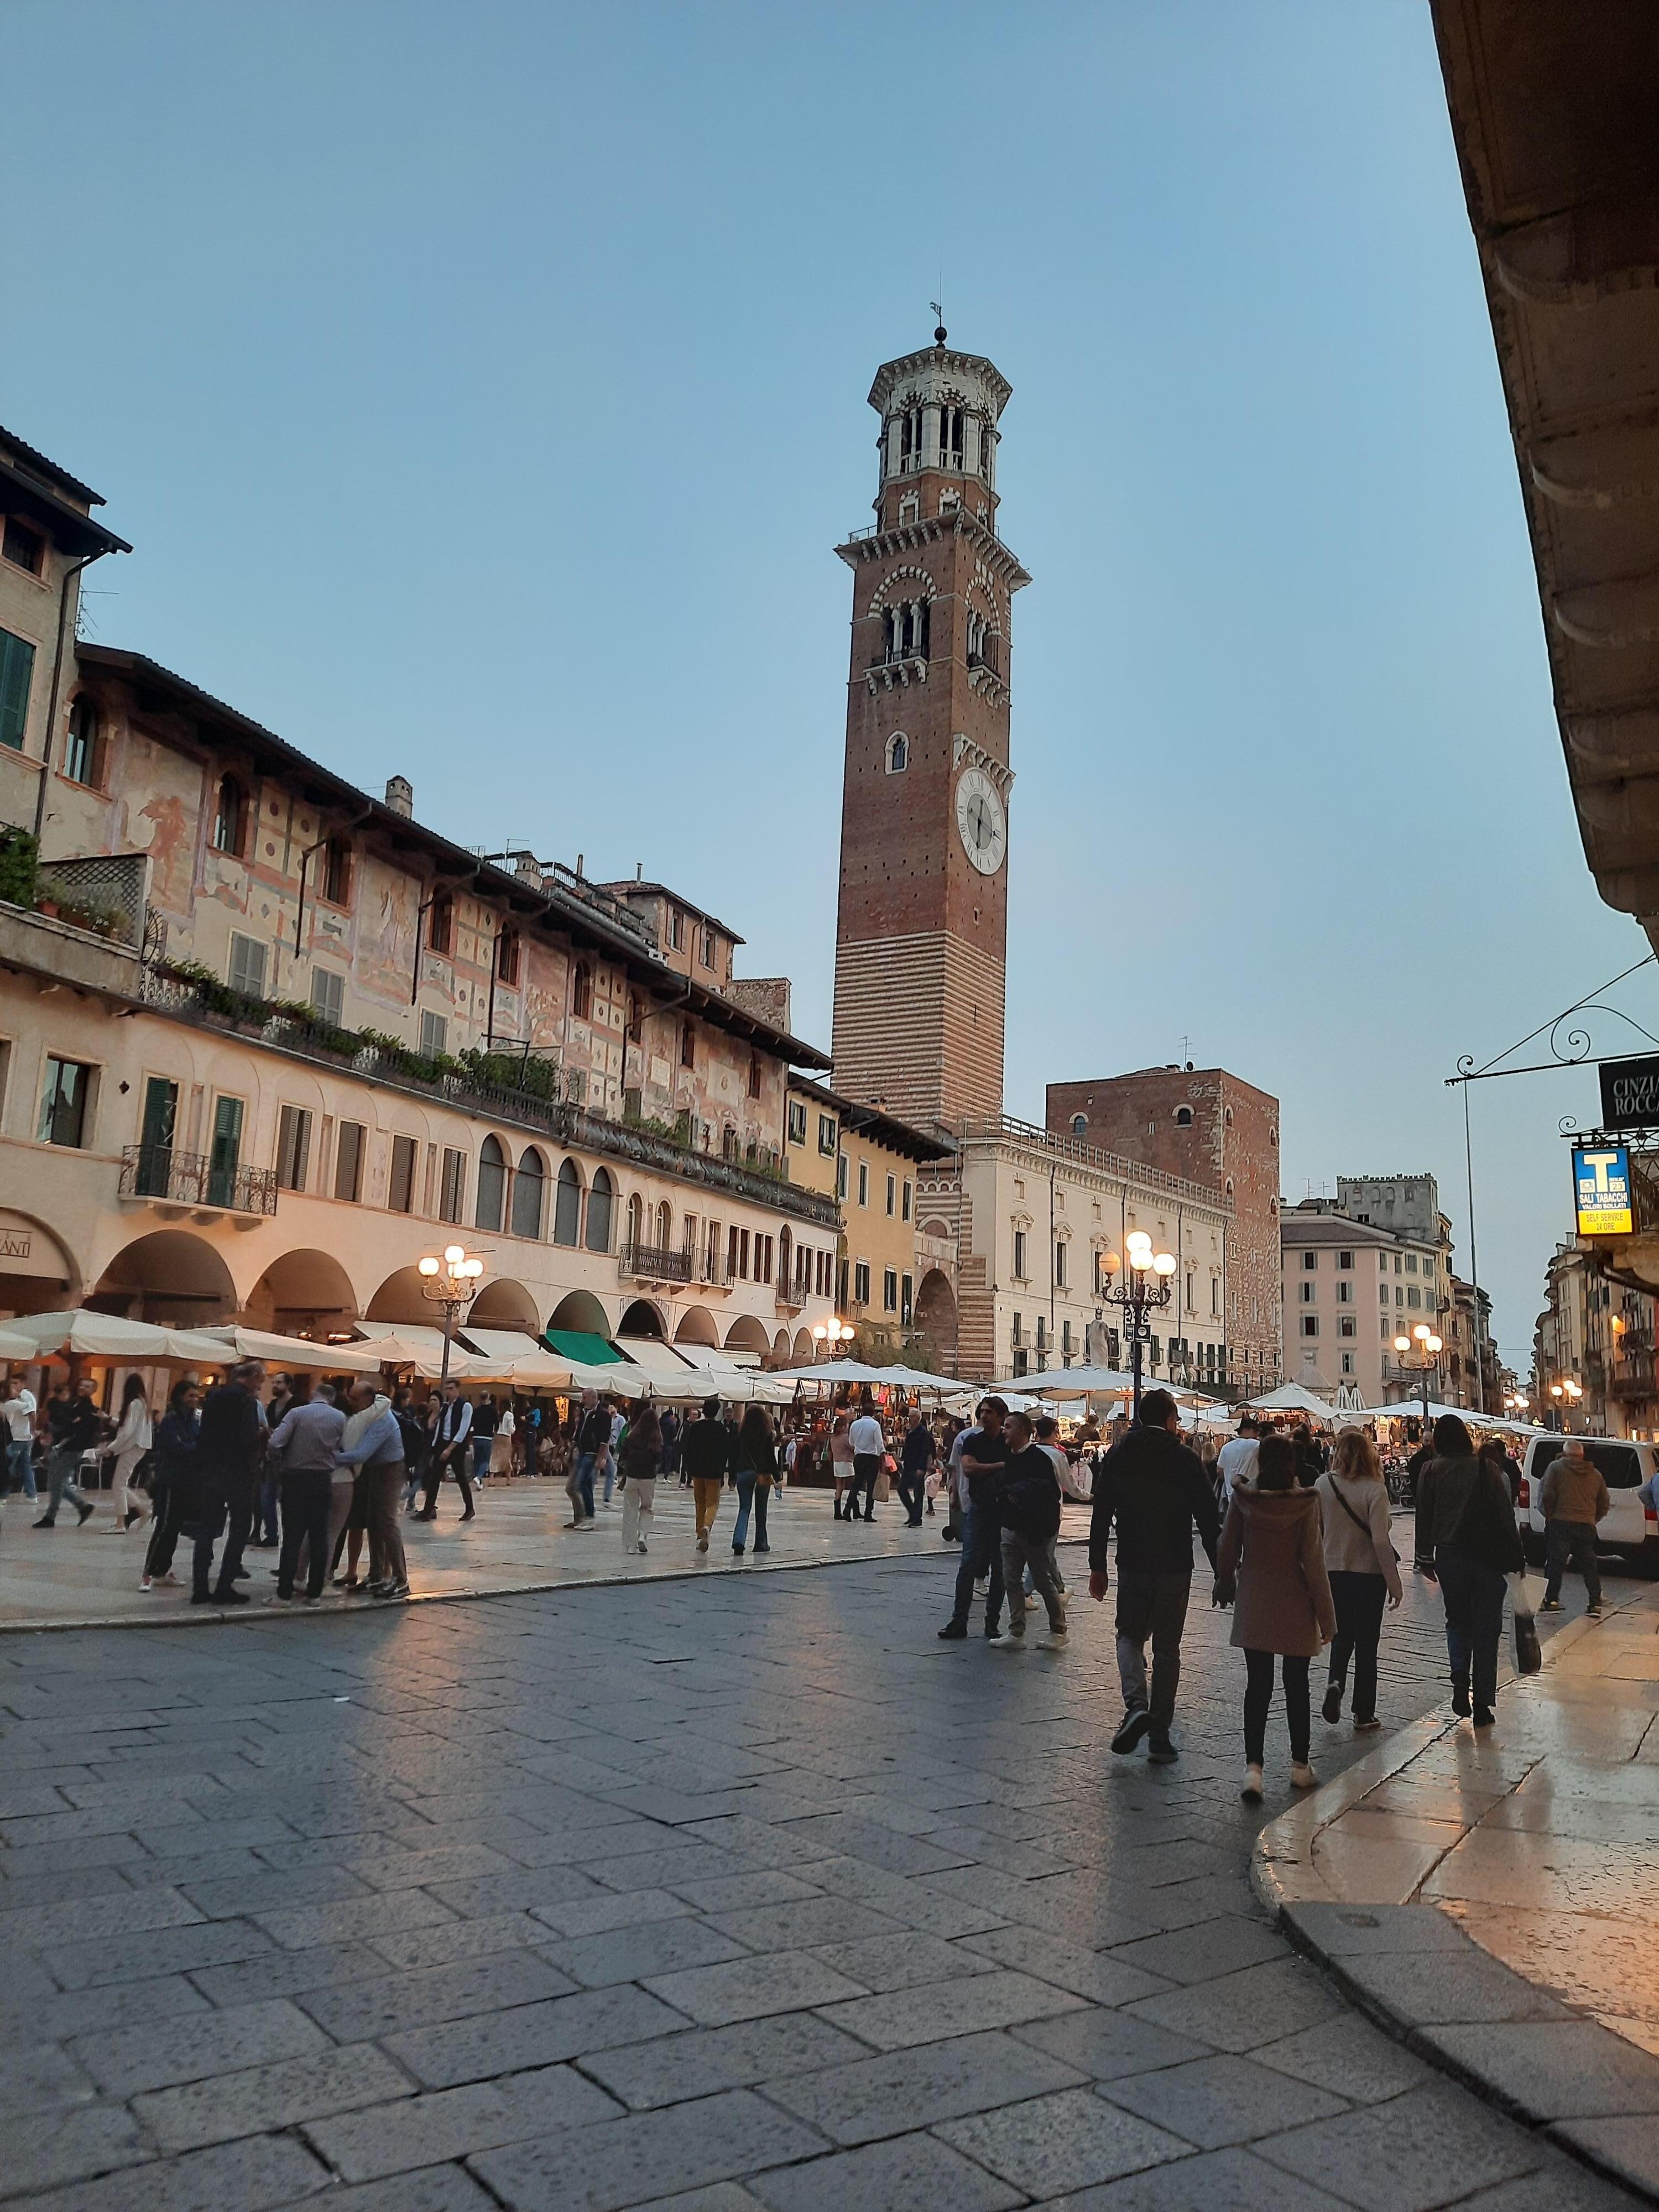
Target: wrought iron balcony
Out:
[655,1263]
[174,1178]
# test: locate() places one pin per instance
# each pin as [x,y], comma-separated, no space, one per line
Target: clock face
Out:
[980,823]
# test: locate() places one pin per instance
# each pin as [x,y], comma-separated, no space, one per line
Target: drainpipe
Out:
[70,572]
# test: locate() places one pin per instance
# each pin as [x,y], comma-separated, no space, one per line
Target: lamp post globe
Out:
[450,1282]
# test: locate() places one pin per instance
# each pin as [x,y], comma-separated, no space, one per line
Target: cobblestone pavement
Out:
[714,1895]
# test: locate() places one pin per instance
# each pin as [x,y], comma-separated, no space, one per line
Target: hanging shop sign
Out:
[1629,1093]
[1602,1192]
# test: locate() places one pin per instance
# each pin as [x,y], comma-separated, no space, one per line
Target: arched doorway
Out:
[399,1298]
[936,1320]
[504,1304]
[748,1334]
[698,1327]
[302,1294]
[37,1274]
[169,1277]
[581,1311]
[642,1319]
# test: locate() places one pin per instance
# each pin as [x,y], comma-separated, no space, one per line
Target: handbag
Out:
[1528,1658]
[1364,1527]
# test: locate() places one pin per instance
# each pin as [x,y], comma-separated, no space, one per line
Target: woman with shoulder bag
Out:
[1363,1570]
[640,1458]
[131,1446]
[754,1469]
[1272,1562]
[1468,1541]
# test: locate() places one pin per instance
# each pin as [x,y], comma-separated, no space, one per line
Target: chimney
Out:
[639,872]
[527,868]
[400,796]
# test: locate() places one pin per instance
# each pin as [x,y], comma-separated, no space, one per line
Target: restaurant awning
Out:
[655,1359]
[86,1335]
[578,1344]
[287,1351]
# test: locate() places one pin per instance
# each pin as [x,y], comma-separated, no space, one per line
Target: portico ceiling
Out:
[1555,114]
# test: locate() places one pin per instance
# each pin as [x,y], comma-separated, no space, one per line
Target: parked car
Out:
[1628,1529]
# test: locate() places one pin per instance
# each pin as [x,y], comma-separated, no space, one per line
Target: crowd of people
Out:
[1297,1534]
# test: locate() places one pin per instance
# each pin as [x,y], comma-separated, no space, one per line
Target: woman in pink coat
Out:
[1271,1569]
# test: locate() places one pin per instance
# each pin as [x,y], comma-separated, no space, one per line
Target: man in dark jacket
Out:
[984,1455]
[1156,1490]
[706,1454]
[74,1426]
[1028,1511]
[228,1449]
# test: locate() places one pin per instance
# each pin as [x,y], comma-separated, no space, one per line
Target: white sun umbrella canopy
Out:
[287,1351]
[835,1370]
[1293,1398]
[86,1335]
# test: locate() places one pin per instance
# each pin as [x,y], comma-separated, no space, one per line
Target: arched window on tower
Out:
[1184,1117]
[898,753]
[492,1185]
[1079,1125]
[949,437]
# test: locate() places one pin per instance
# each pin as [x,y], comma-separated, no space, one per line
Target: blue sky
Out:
[483,389]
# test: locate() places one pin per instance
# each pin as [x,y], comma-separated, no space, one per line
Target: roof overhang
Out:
[22,493]
[1555,114]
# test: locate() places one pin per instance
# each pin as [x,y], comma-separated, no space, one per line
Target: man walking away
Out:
[450,1454]
[706,1454]
[227,1454]
[75,1426]
[869,1450]
[373,1444]
[1575,1499]
[301,1452]
[19,1410]
[417,1442]
[983,1455]
[1236,1460]
[1156,1490]
[1028,1504]
[915,1459]
[486,1420]
[593,1457]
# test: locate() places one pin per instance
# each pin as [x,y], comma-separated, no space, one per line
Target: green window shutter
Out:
[16,671]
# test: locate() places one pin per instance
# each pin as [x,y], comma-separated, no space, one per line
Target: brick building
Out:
[1213,1131]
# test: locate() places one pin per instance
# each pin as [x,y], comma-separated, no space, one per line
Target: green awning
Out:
[577,1344]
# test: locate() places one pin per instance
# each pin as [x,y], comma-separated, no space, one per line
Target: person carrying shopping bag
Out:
[1363,1570]
[1270,1568]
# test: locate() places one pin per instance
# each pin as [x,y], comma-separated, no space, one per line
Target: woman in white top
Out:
[1363,1570]
[133,1438]
[501,1449]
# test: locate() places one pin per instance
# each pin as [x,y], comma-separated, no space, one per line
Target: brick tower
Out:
[922,929]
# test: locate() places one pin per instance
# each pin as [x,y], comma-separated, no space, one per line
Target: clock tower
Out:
[921,930]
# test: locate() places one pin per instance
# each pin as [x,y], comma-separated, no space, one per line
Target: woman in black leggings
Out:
[1271,1568]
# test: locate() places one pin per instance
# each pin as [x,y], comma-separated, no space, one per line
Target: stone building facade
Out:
[266,1039]
[1212,1129]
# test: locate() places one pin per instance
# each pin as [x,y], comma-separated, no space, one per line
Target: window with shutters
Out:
[754,1075]
[230,817]
[507,956]
[64,1103]
[568,1204]
[601,1204]
[905,1200]
[293,1147]
[451,1185]
[827,1137]
[861,1283]
[435,1036]
[797,1122]
[582,992]
[864,1183]
[335,886]
[247,966]
[529,1190]
[351,1140]
[328,995]
[893,1196]
[1019,1255]
[688,1045]
[492,1185]
[81,747]
[400,1184]
[889,1290]
[16,673]
[24,546]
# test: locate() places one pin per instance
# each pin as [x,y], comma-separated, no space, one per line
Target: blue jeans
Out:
[609,1478]
[981,1549]
[269,1531]
[20,1467]
[63,1465]
[481,1447]
[585,1482]
[1473,1596]
[755,1494]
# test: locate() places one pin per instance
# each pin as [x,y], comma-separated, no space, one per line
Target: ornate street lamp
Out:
[829,1334]
[1419,1353]
[1145,1287]
[450,1282]
[1566,1393]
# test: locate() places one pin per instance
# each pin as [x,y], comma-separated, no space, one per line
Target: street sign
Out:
[1602,1196]
[1629,1093]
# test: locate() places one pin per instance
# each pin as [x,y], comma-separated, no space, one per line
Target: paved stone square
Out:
[737,1894]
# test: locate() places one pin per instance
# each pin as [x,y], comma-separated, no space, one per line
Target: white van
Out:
[1627,1528]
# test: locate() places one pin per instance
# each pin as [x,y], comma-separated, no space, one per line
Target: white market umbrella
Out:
[85,1335]
[833,1371]
[282,1351]
[16,1348]
[1292,1398]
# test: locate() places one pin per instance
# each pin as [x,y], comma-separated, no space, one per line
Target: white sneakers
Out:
[1302,1775]
[1251,1791]
[1006,1642]
[1054,1638]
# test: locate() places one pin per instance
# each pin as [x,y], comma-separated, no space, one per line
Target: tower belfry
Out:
[921,927]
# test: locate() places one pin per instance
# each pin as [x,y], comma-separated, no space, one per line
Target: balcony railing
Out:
[792,1297]
[158,1171]
[564,1120]
[655,1263]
